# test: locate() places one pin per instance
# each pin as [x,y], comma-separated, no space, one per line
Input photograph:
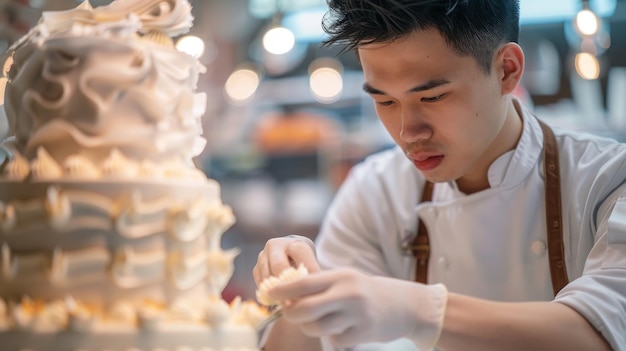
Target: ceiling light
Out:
[587,23]
[587,65]
[241,86]
[326,81]
[278,40]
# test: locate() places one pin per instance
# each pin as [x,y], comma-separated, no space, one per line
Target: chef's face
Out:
[450,116]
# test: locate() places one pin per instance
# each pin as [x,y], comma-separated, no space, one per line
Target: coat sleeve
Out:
[600,293]
[348,233]
[372,214]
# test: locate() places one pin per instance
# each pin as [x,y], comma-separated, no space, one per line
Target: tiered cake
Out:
[109,235]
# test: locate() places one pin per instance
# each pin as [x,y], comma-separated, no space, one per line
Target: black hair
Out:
[474,28]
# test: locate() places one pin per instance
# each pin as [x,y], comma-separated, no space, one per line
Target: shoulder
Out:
[589,155]
[588,145]
[592,167]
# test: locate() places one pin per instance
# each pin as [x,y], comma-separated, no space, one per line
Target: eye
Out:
[433,98]
[385,103]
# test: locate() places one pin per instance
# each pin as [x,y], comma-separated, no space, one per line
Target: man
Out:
[511,255]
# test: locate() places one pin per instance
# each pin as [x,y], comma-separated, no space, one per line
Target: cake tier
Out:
[224,339]
[105,79]
[105,241]
[128,265]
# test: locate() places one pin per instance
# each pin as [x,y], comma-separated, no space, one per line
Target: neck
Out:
[505,141]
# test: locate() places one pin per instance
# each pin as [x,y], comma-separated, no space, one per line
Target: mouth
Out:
[427,162]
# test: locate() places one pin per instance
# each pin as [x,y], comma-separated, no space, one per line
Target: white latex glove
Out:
[282,253]
[353,308]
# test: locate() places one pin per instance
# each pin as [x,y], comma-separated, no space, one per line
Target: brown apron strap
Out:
[554,222]
[420,246]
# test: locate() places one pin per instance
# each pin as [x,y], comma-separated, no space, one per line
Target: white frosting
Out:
[78,166]
[92,83]
[80,317]
[185,262]
[187,222]
[130,269]
[220,267]
[246,312]
[115,166]
[118,165]
[105,222]
[185,310]
[288,275]
[220,219]
[58,208]
[44,166]
[149,169]
[69,314]
[17,168]
[123,312]
[4,318]
[218,312]
[7,217]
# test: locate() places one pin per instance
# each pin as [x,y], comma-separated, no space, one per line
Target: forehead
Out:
[423,53]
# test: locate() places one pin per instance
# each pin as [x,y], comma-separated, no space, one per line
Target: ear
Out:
[509,65]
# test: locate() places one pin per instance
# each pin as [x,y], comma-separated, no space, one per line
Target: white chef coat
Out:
[492,244]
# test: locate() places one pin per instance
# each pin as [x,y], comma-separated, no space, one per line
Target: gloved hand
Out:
[282,253]
[353,308]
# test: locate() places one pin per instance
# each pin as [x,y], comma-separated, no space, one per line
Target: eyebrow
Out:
[416,89]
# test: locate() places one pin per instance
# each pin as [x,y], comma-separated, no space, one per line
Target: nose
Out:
[414,128]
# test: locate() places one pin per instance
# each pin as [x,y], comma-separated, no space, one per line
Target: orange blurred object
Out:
[297,132]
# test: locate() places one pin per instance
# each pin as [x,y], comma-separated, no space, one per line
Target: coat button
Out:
[538,247]
[443,262]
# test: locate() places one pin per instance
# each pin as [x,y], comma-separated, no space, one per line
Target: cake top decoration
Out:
[103,79]
[121,17]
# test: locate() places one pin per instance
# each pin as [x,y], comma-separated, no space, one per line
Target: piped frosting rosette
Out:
[288,275]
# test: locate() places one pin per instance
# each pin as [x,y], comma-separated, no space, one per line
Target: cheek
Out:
[390,120]
[464,133]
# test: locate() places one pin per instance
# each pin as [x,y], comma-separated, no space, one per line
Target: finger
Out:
[305,286]
[256,274]
[312,297]
[278,261]
[313,308]
[328,325]
[261,268]
[301,253]
[256,270]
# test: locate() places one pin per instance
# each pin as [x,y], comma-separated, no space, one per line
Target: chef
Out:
[484,229]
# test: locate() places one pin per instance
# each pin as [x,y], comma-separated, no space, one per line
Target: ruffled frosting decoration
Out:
[220,268]
[172,17]
[220,218]
[115,75]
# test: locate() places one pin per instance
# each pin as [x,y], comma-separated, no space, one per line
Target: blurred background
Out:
[287,118]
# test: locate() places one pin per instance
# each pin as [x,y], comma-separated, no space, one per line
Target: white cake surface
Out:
[110,237]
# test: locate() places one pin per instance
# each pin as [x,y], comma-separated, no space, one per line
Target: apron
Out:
[420,246]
